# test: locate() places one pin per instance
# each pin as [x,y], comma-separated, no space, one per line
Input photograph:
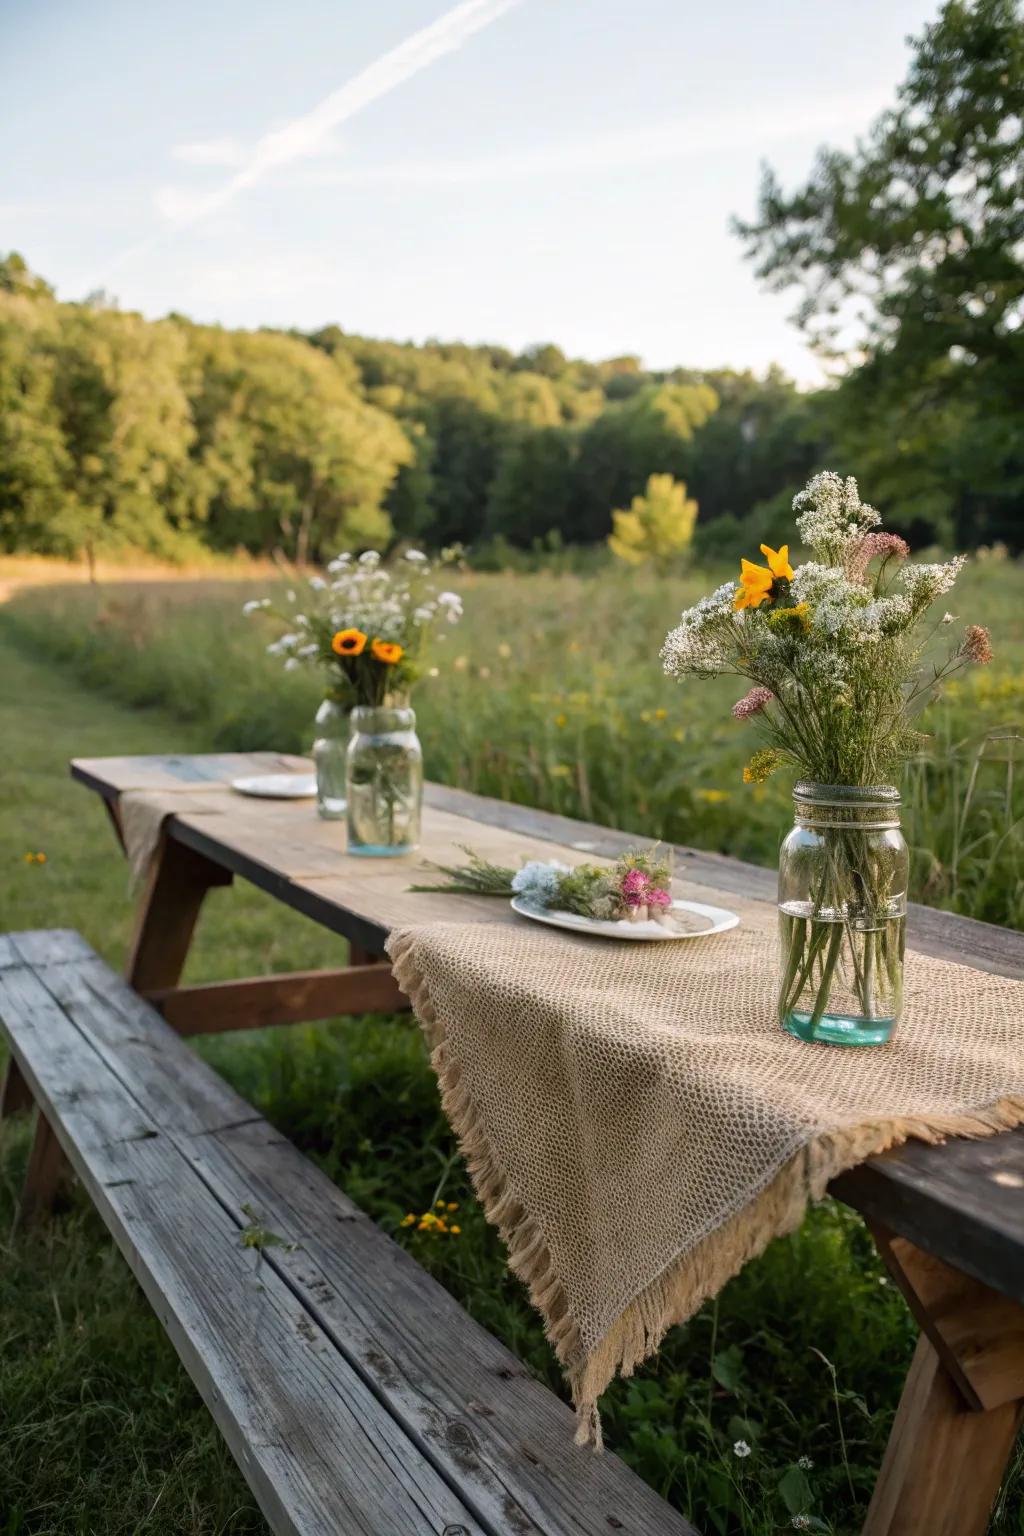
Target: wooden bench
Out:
[354,1392]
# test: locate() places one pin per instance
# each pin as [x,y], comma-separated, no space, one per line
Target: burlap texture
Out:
[637,1125]
[142,813]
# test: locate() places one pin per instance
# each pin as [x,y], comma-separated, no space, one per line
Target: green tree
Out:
[531,493]
[658,526]
[649,433]
[35,467]
[908,255]
[288,455]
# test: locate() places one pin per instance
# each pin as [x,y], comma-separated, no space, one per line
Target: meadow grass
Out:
[551,694]
[801,1357]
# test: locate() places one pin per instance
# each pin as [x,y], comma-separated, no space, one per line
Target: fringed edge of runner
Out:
[690,1280]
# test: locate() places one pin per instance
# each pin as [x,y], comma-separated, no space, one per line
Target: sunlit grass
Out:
[551,694]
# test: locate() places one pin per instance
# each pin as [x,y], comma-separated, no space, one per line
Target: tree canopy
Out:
[908,258]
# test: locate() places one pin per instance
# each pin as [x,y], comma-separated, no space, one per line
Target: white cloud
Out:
[309,134]
[651,144]
[226,153]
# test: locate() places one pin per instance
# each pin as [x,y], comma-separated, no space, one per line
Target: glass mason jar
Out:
[843,873]
[330,749]
[384,781]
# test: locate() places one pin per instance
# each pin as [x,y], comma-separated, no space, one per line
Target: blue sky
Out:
[497,170]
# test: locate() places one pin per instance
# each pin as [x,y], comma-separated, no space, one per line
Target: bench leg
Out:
[46,1171]
[962,1405]
[15,1093]
[177,883]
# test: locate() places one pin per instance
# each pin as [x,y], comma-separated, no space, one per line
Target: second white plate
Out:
[719,920]
[278,786]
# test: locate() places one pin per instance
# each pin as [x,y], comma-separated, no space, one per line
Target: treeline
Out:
[166,436]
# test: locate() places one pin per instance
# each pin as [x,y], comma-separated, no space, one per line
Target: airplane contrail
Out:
[303,134]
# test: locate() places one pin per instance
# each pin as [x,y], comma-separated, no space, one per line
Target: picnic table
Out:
[948,1220]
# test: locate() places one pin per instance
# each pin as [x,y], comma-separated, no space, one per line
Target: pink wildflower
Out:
[875,546]
[635,880]
[752,703]
[636,888]
[656,897]
[977,644]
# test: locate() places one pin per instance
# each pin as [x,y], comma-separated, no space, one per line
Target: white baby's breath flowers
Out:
[924,583]
[832,516]
[701,642]
[255,604]
[317,583]
[415,557]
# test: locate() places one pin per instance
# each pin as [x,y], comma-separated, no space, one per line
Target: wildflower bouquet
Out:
[366,623]
[637,888]
[839,657]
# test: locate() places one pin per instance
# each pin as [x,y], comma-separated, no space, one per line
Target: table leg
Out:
[46,1170]
[15,1093]
[357,955]
[962,1405]
[178,881]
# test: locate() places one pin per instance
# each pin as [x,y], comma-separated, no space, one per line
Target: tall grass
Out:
[551,694]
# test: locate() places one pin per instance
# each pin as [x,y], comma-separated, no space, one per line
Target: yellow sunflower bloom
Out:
[348,642]
[386,651]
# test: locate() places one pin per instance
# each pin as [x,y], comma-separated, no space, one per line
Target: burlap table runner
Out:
[638,1127]
[142,813]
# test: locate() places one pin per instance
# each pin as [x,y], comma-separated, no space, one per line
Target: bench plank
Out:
[458,1391]
[321,1453]
[466,1405]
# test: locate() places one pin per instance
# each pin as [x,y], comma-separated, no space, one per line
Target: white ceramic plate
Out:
[719,919]
[278,786]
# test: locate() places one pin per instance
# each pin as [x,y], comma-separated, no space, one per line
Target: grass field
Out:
[551,694]
[558,701]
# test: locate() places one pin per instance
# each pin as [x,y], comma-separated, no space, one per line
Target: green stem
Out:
[835,944]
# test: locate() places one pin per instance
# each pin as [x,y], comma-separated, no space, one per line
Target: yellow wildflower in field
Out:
[711,796]
[35,858]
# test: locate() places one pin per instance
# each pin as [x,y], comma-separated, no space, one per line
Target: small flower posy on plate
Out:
[631,899]
[636,889]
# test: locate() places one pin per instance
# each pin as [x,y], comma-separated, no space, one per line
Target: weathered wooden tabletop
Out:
[949,1219]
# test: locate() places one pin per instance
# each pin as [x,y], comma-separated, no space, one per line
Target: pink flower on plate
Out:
[636,887]
[656,897]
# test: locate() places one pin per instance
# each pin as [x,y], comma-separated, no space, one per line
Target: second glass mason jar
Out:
[843,873]
[384,782]
[330,749]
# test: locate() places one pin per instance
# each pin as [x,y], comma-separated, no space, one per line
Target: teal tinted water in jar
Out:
[330,751]
[384,782]
[843,873]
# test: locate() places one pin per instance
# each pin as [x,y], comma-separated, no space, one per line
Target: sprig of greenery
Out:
[477,878]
